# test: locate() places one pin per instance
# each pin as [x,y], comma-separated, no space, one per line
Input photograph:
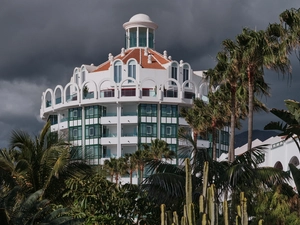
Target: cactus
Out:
[175,218]
[208,210]
[211,203]
[163,214]
[225,212]
[242,215]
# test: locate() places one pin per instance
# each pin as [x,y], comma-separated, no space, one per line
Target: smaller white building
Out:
[279,153]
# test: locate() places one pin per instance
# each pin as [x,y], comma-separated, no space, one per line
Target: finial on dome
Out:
[122,52]
[110,58]
[149,58]
[146,51]
[165,54]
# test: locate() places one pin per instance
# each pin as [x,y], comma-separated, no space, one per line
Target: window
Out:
[91,131]
[142,37]
[168,131]
[74,113]
[53,119]
[92,152]
[75,133]
[148,109]
[185,74]
[132,37]
[91,111]
[118,72]
[131,70]
[149,129]
[169,111]
[76,152]
[174,72]
[151,38]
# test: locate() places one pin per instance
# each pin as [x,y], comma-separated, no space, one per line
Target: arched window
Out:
[185,74]
[118,72]
[294,160]
[278,165]
[174,72]
[131,70]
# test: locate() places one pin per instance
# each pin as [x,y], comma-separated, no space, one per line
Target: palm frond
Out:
[296,176]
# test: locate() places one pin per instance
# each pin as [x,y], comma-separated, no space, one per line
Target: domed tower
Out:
[140,32]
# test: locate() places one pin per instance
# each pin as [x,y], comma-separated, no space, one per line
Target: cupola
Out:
[140,32]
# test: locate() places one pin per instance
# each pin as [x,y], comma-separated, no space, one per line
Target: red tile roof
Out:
[138,54]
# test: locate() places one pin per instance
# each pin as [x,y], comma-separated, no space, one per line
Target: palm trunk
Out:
[250,106]
[130,176]
[117,178]
[232,125]
[111,177]
[195,136]
[142,174]
[214,143]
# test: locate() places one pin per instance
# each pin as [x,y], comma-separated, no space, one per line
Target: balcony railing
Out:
[107,93]
[132,134]
[88,95]
[109,114]
[110,135]
[58,100]
[129,113]
[148,92]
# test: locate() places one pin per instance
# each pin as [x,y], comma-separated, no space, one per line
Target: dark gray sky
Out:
[42,41]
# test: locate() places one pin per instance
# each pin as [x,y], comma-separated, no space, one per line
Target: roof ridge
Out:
[126,55]
[160,55]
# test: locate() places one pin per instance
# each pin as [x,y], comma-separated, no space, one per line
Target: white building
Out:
[279,153]
[135,96]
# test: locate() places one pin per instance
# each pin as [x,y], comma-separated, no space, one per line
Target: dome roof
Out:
[140,18]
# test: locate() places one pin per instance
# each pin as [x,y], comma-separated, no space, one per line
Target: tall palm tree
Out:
[228,77]
[227,74]
[140,157]
[260,49]
[194,117]
[131,165]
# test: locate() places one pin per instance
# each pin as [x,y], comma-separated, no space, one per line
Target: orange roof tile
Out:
[138,54]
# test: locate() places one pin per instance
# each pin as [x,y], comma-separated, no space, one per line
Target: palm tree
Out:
[159,150]
[115,167]
[227,74]
[131,165]
[260,49]
[194,117]
[290,20]
[34,210]
[39,162]
[140,157]
[227,78]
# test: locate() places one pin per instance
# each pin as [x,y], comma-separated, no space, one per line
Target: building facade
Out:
[136,96]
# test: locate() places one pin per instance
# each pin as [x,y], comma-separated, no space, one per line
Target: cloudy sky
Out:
[42,41]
